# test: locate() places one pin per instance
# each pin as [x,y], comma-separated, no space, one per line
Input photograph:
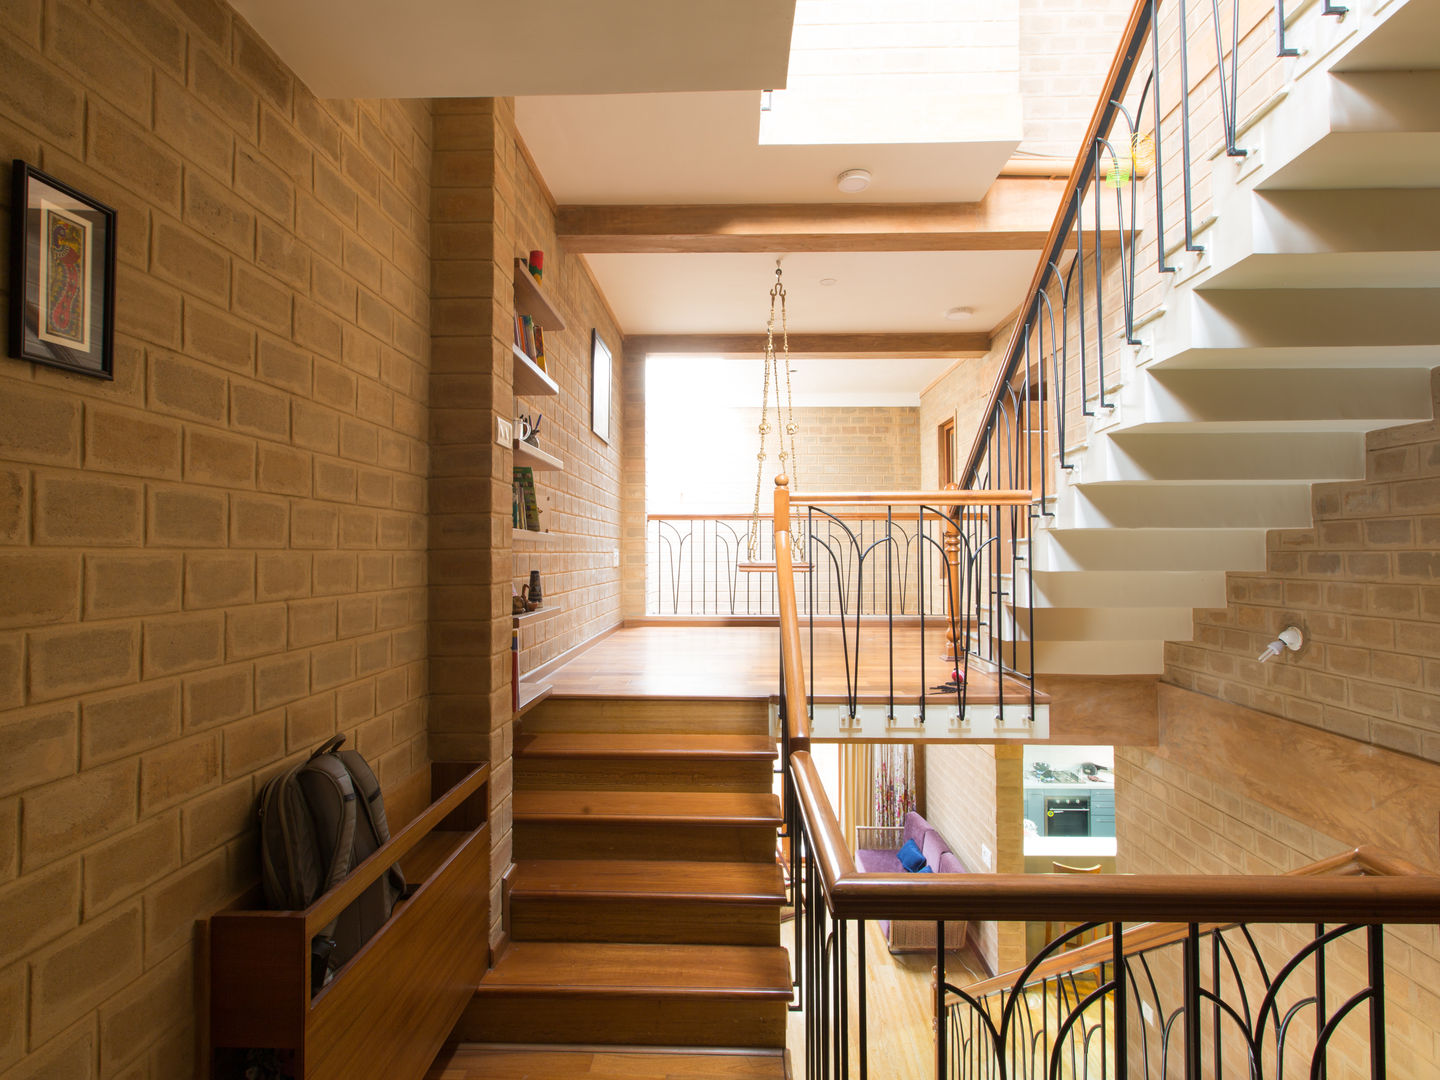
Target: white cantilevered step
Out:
[1129,456]
[1108,623]
[1320,239]
[1302,328]
[1355,129]
[1185,506]
[1149,549]
[1132,589]
[1278,399]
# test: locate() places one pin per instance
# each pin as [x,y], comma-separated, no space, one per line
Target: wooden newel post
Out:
[954,565]
[782,504]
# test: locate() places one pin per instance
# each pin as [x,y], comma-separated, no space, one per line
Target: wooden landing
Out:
[742,663]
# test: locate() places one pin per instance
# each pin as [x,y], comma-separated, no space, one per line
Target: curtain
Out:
[877,786]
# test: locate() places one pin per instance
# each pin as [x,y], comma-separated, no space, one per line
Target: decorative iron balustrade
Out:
[694,566]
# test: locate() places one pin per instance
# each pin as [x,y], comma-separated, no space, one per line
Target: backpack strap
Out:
[372,804]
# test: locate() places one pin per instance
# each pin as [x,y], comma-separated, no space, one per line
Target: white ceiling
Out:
[500,48]
[739,383]
[704,148]
[874,291]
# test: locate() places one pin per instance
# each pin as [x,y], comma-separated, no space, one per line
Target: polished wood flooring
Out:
[544,1063]
[742,662]
[899,1005]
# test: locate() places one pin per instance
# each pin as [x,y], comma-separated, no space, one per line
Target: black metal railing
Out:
[1109,243]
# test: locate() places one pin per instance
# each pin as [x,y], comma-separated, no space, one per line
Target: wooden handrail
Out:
[1117,79]
[326,909]
[848,515]
[796,709]
[916,498]
[1152,935]
[1410,898]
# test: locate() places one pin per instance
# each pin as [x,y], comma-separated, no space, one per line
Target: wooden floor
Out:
[899,1007]
[743,662]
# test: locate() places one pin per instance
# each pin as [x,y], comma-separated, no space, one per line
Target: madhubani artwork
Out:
[63,266]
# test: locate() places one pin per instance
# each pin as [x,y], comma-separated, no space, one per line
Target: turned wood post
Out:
[956,626]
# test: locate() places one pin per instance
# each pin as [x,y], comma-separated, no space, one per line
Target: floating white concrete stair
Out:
[1323,239]
[1107,623]
[1373,329]
[1133,588]
[1149,549]
[1129,456]
[1354,129]
[1185,506]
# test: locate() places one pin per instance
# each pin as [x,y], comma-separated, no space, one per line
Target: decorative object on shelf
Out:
[599,386]
[530,428]
[531,592]
[525,508]
[537,265]
[789,463]
[517,602]
[62,276]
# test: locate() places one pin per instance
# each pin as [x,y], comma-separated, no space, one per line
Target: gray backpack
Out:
[318,821]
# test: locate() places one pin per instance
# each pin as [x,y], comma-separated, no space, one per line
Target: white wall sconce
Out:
[1290,638]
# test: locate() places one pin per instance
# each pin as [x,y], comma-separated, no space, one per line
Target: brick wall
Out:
[960,394]
[973,796]
[705,459]
[1065,51]
[1363,583]
[580,507]
[215,561]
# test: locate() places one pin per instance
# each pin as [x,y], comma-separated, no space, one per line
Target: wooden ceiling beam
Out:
[1015,215]
[878,346]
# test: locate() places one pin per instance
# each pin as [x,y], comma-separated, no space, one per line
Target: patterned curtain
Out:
[894,789]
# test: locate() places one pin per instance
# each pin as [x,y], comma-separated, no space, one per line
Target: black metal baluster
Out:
[1281,48]
[939,1000]
[1320,1007]
[1375,935]
[864,1039]
[1190,244]
[1191,978]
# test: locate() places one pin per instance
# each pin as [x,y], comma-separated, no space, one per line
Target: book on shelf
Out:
[525,513]
[539,355]
[529,345]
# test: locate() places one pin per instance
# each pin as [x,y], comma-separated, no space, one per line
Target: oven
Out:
[1067,815]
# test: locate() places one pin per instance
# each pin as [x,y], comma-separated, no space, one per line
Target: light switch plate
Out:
[504,431]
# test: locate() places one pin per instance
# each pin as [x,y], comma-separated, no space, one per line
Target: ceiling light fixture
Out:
[828,280]
[959,314]
[852,181]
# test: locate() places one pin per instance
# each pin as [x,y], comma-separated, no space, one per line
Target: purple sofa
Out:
[878,853]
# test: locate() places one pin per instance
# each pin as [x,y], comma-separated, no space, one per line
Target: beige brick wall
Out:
[1361,584]
[973,796]
[580,507]
[1065,51]
[961,394]
[217,560]
[1176,819]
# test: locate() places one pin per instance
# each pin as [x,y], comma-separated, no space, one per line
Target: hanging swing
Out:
[789,464]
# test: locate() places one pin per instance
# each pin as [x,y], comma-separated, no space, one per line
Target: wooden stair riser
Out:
[622,1019]
[630,774]
[474,1062]
[673,715]
[637,919]
[643,840]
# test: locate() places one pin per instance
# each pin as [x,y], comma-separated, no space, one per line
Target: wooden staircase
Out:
[644,902]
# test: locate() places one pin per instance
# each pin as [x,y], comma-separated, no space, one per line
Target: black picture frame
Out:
[62,242]
[600,386]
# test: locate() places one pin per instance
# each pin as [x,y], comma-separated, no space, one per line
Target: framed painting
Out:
[62,276]
[599,386]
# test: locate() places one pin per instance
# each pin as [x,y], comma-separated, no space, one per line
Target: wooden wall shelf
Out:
[531,536]
[543,612]
[528,379]
[389,1010]
[537,459]
[530,299]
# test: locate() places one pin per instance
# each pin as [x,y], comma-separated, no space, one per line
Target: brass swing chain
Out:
[777,292]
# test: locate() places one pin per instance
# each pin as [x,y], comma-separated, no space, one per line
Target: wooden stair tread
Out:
[478,1061]
[664,807]
[571,744]
[568,968]
[751,883]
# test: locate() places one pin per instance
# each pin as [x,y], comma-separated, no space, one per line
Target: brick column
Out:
[632,486]
[469,556]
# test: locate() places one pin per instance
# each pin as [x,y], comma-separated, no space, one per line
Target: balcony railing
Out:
[1088,1013]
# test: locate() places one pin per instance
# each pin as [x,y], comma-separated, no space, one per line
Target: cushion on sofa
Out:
[933,848]
[910,856]
[949,864]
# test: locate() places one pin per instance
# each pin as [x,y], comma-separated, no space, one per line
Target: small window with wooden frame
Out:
[946,433]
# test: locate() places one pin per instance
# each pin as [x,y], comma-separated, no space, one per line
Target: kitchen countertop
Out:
[1069,846]
[1031,784]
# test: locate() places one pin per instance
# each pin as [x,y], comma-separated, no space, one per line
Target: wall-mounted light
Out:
[1290,638]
